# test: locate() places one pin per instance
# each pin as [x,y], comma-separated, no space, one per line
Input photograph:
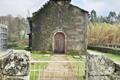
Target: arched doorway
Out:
[59,42]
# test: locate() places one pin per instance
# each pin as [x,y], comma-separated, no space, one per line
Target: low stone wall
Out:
[15,65]
[105,49]
[101,68]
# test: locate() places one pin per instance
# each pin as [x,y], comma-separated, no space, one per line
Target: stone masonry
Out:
[101,68]
[15,65]
[59,16]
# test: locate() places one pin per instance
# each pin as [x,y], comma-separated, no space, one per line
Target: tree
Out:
[16,27]
[112,18]
[93,16]
[101,19]
[118,17]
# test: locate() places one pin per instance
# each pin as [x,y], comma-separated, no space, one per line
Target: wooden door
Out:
[59,43]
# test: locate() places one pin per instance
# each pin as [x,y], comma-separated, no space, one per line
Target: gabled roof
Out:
[35,13]
[80,9]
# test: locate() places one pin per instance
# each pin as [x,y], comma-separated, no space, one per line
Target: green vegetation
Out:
[111,18]
[114,57]
[38,67]
[78,67]
[41,55]
[103,33]
[19,45]
[104,29]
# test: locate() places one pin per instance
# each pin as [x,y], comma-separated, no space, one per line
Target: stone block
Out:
[99,65]
[101,68]
[16,64]
[115,77]
[99,78]
[117,69]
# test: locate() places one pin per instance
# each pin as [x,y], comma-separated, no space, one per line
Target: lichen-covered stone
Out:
[99,78]
[117,69]
[1,76]
[15,78]
[100,65]
[16,64]
[101,68]
[115,77]
[0,66]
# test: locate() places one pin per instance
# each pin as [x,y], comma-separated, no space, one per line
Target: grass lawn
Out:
[17,46]
[37,68]
[114,57]
[41,55]
[78,67]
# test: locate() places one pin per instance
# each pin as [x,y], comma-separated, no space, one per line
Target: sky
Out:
[25,8]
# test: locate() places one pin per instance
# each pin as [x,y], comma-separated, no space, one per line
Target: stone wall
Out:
[15,65]
[105,49]
[101,68]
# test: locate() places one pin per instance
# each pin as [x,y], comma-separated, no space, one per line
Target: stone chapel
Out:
[60,27]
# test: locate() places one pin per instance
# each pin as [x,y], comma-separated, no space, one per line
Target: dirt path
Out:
[58,70]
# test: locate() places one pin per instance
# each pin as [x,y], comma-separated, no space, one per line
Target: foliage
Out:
[72,52]
[118,17]
[114,57]
[17,27]
[42,52]
[18,45]
[103,33]
[111,18]
[93,16]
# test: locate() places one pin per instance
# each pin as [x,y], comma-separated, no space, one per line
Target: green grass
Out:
[78,67]
[17,46]
[114,57]
[73,56]
[39,56]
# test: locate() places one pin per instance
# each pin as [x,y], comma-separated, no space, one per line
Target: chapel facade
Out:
[60,27]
